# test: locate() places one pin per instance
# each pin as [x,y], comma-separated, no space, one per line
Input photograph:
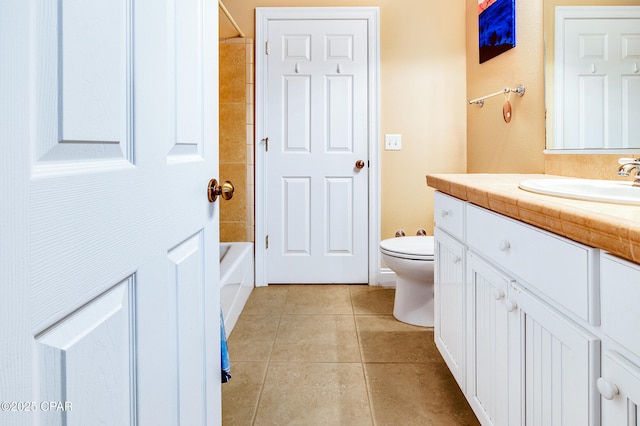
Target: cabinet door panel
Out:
[620,294]
[487,343]
[622,408]
[560,362]
[449,294]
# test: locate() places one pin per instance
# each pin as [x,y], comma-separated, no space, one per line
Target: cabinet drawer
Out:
[559,268]
[619,299]
[448,214]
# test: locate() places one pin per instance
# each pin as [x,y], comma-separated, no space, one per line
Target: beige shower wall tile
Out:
[249,52]
[233,134]
[249,94]
[233,231]
[249,134]
[232,70]
[235,209]
[250,157]
[250,122]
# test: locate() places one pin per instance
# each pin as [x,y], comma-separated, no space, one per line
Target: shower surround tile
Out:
[236,118]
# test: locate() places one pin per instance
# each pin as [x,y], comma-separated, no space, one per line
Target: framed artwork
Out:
[496,27]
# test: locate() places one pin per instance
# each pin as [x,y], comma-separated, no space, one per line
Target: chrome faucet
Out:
[628,165]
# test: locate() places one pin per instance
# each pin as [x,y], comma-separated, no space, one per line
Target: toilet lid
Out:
[420,248]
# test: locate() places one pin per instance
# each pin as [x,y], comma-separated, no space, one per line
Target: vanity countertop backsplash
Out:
[611,227]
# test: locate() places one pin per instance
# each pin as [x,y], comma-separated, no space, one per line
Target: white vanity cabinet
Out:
[487,342]
[529,298]
[619,383]
[552,362]
[449,288]
[558,362]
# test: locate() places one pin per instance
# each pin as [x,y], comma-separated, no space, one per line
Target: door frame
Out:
[263,16]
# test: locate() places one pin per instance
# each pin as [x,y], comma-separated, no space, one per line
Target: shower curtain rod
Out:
[233,21]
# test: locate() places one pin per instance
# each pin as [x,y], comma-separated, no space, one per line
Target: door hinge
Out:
[266,144]
[266,241]
[266,47]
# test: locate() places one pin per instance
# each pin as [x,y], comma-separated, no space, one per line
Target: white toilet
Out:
[411,258]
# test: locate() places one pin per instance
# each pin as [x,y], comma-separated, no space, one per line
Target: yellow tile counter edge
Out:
[611,227]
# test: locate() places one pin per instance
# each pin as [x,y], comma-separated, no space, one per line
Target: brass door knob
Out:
[214,190]
[359,164]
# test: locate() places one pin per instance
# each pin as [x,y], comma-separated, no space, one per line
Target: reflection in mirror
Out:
[592,94]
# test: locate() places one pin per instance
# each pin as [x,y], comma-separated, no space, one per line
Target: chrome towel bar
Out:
[517,90]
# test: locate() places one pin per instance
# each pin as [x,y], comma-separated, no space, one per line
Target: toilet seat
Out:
[412,248]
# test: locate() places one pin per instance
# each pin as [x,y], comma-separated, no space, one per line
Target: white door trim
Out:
[263,16]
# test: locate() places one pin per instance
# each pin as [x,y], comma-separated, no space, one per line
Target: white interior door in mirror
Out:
[597,82]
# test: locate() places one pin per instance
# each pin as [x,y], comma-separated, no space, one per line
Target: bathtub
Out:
[236,280]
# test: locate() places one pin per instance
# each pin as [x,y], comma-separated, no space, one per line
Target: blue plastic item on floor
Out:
[224,352]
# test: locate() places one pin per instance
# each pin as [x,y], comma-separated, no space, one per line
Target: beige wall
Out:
[494,146]
[423,97]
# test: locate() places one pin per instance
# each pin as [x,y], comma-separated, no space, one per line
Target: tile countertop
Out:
[611,227]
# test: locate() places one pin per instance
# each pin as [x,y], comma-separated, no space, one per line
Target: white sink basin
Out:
[607,191]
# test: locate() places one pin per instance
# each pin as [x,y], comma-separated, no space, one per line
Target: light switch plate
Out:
[393,142]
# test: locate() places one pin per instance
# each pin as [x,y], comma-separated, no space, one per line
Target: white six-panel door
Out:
[110,300]
[318,130]
[597,77]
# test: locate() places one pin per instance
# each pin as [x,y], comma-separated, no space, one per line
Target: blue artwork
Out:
[497,27]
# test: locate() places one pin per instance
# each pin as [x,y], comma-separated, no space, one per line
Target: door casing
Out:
[263,16]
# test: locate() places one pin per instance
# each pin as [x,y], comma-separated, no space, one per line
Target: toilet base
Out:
[414,302]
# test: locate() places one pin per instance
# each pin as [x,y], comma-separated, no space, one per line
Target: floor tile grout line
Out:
[362,366]
[266,373]
[364,373]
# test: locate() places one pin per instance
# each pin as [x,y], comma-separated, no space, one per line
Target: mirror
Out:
[550,68]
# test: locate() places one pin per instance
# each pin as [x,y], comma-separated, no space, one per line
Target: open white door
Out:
[108,244]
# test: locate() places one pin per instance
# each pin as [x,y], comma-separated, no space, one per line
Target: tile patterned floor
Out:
[334,355]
